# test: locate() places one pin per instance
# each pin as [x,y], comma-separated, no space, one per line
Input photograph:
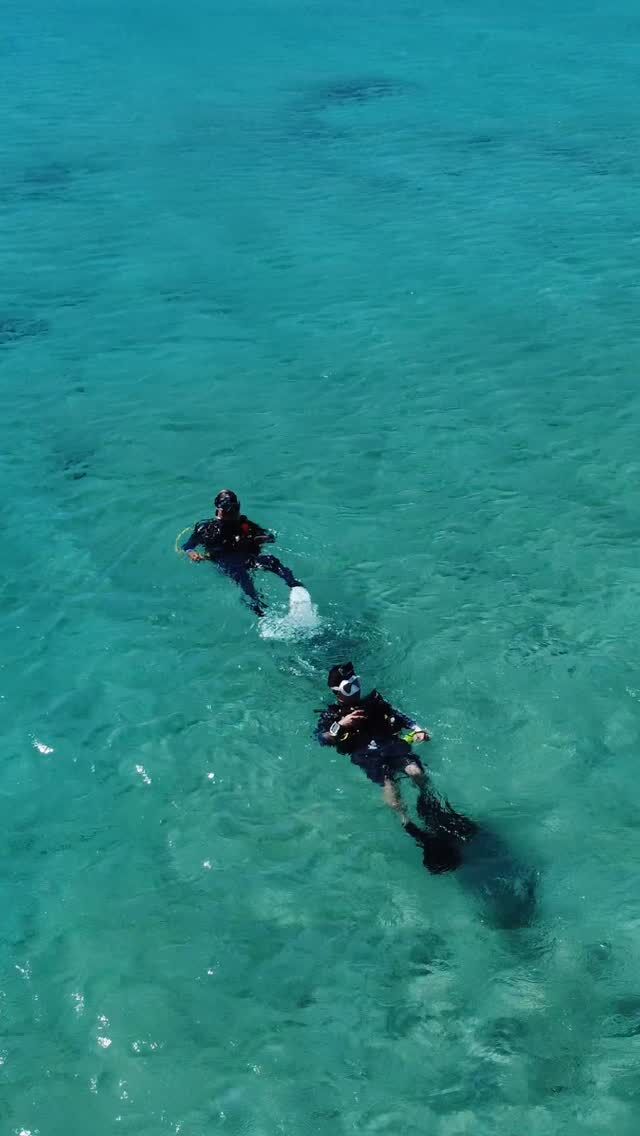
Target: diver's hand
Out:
[195,556]
[352,719]
[421,736]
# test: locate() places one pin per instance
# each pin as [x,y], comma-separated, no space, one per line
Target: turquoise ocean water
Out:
[376,267]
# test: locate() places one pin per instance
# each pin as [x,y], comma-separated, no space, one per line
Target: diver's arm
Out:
[326,738]
[192,543]
[414,729]
[328,729]
[256,532]
[401,722]
[332,731]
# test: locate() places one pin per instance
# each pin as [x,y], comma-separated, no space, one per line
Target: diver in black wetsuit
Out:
[378,739]
[234,544]
[369,730]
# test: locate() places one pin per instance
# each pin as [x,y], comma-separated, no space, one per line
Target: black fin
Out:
[440,853]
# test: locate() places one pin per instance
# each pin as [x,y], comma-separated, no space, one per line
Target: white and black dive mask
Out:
[349,687]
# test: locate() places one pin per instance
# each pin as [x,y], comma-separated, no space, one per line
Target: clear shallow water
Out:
[377,270]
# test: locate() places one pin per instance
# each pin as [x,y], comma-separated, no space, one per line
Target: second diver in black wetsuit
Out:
[234,544]
[378,739]
[369,730]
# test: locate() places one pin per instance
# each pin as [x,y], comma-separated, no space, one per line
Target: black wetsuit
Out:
[372,744]
[235,547]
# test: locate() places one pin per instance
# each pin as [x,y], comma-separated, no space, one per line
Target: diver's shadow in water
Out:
[485,864]
[506,887]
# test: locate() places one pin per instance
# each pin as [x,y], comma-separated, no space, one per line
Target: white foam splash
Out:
[41,747]
[302,618]
[78,1002]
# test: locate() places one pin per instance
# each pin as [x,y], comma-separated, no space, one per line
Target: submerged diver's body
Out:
[234,544]
[370,731]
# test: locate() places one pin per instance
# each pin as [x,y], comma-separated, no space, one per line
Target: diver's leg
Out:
[442,817]
[392,798]
[242,577]
[415,772]
[272,564]
[440,846]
